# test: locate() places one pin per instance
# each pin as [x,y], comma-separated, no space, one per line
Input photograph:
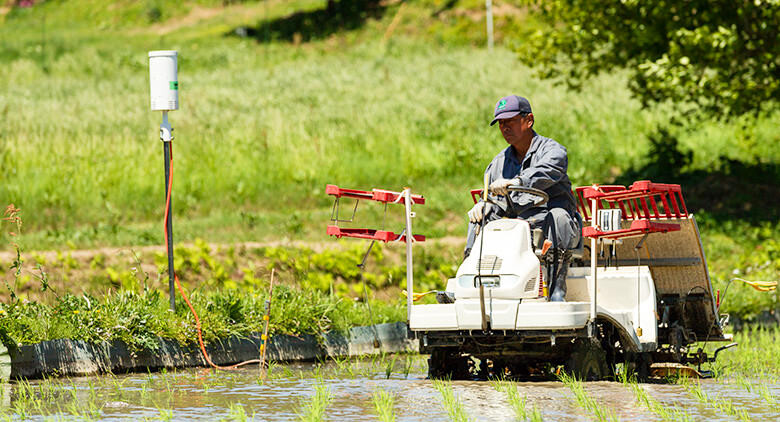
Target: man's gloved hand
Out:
[477,212]
[499,187]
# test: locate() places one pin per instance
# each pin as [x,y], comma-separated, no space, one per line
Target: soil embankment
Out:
[65,357]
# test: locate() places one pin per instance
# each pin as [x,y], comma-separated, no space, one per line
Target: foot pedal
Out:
[445,297]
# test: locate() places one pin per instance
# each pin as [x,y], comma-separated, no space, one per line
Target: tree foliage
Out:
[720,56]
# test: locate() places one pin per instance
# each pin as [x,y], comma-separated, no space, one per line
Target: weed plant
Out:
[451,403]
[599,412]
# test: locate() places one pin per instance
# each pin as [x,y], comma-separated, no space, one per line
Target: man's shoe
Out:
[558,293]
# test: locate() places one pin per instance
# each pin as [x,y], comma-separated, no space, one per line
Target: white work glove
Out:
[477,212]
[499,187]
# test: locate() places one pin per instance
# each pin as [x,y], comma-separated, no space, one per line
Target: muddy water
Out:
[208,395]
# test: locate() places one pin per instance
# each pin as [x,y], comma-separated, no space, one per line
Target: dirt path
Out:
[87,254]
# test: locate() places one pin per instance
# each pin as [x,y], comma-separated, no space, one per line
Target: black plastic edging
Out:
[75,357]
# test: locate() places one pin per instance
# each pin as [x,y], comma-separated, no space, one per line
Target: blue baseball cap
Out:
[510,106]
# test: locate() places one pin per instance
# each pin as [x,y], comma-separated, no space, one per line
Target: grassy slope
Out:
[265,125]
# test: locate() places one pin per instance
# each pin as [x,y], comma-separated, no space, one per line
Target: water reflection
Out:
[207,395]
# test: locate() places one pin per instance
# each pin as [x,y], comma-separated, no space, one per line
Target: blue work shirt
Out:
[543,167]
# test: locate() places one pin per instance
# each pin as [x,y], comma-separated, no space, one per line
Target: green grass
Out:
[264,126]
[139,318]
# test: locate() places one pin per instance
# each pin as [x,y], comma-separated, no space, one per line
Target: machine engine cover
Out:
[508,266]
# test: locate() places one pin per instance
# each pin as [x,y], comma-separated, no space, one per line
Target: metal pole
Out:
[489,7]
[409,241]
[484,317]
[593,269]
[167,138]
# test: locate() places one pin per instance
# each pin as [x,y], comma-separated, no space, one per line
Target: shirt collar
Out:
[535,141]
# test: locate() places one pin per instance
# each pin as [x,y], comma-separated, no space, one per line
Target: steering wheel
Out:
[507,207]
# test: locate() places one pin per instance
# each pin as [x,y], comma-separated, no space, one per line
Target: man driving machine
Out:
[534,161]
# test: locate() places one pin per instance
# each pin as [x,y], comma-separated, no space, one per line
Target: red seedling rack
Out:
[379,195]
[644,203]
[638,227]
[642,200]
[405,198]
[371,234]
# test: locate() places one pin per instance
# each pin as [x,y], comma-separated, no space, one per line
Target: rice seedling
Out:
[766,395]
[236,412]
[165,415]
[517,402]
[288,372]
[664,412]
[760,389]
[383,404]
[408,366]
[390,366]
[745,383]
[451,403]
[20,410]
[601,413]
[313,410]
[723,404]
[345,365]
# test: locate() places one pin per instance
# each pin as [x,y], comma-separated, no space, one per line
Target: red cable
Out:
[181,290]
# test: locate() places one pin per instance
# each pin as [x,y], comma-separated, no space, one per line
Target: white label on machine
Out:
[609,220]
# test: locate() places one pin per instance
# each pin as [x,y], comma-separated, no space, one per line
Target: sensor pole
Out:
[164,96]
[166,136]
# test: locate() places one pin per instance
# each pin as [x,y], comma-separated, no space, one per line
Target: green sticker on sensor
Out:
[174,85]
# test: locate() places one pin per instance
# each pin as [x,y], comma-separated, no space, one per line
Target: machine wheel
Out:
[639,366]
[448,364]
[588,361]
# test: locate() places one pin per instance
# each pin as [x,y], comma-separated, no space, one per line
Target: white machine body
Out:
[163,80]
[514,300]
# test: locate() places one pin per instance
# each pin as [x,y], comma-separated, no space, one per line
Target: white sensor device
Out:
[609,219]
[164,80]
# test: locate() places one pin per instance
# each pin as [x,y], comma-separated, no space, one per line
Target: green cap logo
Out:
[501,104]
[174,85]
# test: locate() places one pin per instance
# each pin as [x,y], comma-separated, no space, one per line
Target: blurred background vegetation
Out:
[280,97]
